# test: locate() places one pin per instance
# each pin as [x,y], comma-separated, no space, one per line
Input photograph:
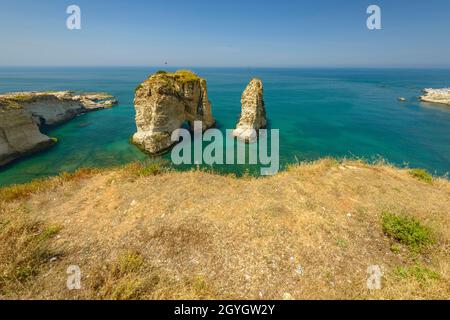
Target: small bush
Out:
[341,243]
[422,175]
[127,262]
[146,168]
[421,274]
[407,231]
[150,170]
[396,248]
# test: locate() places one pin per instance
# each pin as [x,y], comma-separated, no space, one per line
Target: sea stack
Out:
[163,103]
[23,114]
[253,115]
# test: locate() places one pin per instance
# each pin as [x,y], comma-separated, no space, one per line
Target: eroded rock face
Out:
[441,96]
[23,113]
[19,135]
[253,115]
[164,102]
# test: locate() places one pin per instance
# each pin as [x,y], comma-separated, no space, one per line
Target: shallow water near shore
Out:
[319,112]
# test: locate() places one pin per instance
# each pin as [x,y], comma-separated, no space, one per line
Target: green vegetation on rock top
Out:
[9,104]
[180,75]
[169,79]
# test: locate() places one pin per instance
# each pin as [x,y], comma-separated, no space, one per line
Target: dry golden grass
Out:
[22,191]
[25,248]
[310,232]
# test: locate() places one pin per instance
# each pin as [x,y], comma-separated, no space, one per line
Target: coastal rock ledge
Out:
[23,114]
[441,96]
[166,101]
[253,115]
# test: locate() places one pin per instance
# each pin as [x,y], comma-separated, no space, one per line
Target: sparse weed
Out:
[417,272]
[421,175]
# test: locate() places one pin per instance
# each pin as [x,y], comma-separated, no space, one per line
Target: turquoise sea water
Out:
[319,112]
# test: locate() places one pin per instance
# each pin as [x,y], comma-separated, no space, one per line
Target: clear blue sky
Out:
[416,33]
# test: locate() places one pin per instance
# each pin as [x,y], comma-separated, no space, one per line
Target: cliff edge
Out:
[145,232]
[23,114]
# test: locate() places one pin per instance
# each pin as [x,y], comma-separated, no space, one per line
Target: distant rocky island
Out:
[24,114]
[441,96]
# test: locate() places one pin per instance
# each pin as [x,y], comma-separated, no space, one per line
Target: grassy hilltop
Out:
[311,232]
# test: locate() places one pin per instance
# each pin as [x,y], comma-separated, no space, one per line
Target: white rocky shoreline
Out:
[23,114]
[441,96]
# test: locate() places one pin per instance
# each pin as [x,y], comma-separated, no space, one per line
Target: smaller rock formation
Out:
[441,96]
[253,115]
[22,114]
[164,102]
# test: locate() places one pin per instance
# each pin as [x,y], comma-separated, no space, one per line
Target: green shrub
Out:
[407,231]
[396,248]
[422,175]
[150,170]
[421,274]
[149,167]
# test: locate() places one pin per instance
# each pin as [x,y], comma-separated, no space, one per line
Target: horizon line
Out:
[230,67]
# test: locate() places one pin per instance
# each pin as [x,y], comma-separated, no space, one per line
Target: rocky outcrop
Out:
[441,96]
[19,136]
[164,102]
[253,116]
[22,115]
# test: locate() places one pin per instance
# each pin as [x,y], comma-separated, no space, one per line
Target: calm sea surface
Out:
[319,112]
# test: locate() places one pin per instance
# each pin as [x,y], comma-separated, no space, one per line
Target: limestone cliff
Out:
[164,102]
[253,116]
[441,96]
[22,114]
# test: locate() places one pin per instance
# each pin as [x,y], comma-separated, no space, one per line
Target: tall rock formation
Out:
[164,102]
[253,115]
[22,114]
